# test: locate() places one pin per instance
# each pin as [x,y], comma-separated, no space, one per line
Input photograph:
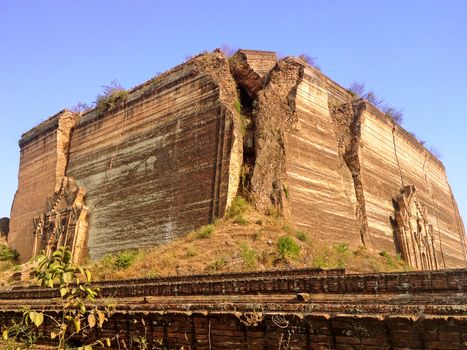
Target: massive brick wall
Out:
[161,165]
[385,145]
[335,164]
[42,166]
[169,158]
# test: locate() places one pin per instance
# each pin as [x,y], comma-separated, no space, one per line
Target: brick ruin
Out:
[298,309]
[172,155]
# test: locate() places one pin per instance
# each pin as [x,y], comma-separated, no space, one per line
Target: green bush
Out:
[249,255]
[240,219]
[301,236]
[113,95]
[238,106]
[125,259]
[205,231]
[273,212]
[238,207]
[288,248]
[217,264]
[342,248]
[8,254]
[190,251]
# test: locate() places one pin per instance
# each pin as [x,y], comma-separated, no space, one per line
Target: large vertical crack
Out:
[346,119]
[460,227]
[66,124]
[435,209]
[396,155]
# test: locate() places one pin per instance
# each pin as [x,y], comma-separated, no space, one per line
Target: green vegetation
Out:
[241,220]
[205,231]
[125,259]
[237,210]
[249,256]
[238,106]
[301,236]
[8,254]
[77,312]
[288,248]
[359,90]
[190,252]
[392,262]
[273,212]
[342,248]
[112,96]
[217,264]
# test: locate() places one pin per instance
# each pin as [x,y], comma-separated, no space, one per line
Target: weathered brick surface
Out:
[44,153]
[169,159]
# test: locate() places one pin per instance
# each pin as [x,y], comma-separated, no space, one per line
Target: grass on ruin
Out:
[243,240]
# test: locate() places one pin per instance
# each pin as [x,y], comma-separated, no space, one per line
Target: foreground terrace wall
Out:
[287,309]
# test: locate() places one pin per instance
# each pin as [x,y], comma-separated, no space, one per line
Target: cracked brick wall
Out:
[172,156]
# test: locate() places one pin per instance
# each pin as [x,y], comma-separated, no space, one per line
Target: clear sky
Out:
[54,54]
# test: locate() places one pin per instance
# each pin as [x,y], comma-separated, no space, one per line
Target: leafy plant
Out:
[205,231]
[359,90]
[249,255]
[301,236]
[125,259]
[113,95]
[217,264]
[341,248]
[288,248]
[78,314]
[240,219]
[8,254]
[238,207]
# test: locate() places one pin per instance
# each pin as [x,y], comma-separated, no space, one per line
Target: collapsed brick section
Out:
[274,115]
[347,126]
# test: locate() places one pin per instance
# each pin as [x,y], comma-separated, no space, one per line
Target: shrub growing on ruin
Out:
[310,60]
[205,231]
[358,90]
[288,248]
[125,259]
[301,236]
[238,206]
[341,248]
[78,314]
[8,254]
[249,256]
[112,95]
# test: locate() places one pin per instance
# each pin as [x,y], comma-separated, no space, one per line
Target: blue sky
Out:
[54,54]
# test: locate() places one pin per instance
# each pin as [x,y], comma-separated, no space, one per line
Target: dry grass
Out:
[251,245]
[243,240]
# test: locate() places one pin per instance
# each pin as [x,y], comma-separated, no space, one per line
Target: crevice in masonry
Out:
[435,209]
[275,116]
[346,119]
[396,155]
[245,107]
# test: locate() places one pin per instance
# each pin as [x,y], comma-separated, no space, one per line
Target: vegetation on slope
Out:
[243,240]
